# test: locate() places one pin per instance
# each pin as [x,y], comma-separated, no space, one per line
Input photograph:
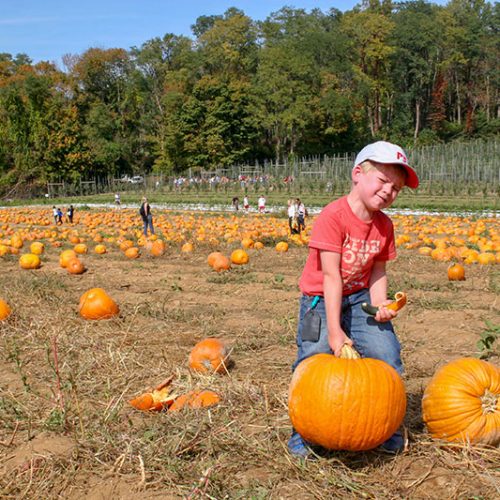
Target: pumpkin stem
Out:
[348,352]
[489,402]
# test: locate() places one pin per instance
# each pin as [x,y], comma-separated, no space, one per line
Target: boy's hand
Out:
[338,342]
[384,314]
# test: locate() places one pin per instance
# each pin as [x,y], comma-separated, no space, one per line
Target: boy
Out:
[350,243]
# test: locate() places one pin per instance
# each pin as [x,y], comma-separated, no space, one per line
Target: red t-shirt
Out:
[337,229]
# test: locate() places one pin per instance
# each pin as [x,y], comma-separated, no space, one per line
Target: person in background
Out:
[246,204]
[147,217]
[69,214]
[117,200]
[54,214]
[261,203]
[292,217]
[59,216]
[351,241]
[236,203]
[301,214]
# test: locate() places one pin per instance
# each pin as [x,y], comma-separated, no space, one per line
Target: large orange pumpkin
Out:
[97,304]
[5,310]
[462,402]
[346,404]
[209,355]
[195,399]
[29,261]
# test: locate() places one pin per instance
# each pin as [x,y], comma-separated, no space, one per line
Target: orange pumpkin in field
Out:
[81,248]
[29,261]
[282,246]
[37,248]
[75,266]
[456,272]
[462,402]
[187,247]
[97,304]
[100,249]
[209,355]
[66,256]
[211,258]
[221,263]
[132,253]
[5,310]
[239,257]
[195,399]
[157,248]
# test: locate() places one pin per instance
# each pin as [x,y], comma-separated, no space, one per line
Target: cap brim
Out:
[411,177]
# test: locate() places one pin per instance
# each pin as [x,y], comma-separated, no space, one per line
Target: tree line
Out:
[296,84]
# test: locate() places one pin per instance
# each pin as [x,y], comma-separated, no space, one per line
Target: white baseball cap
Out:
[386,152]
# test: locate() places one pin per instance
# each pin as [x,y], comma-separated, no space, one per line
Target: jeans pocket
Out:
[311,326]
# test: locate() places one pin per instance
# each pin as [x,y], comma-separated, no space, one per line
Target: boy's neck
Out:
[358,208]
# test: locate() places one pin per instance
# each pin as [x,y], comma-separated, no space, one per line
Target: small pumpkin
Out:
[221,263]
[157,248]
[211,258]
[30,261]
[187,247]
[5,310]
[80,248]
[247,243]
[462,402]
[75,266]
[195,399]
[282,246]
[132,253]
[97,304]
[258,245]
[66,256]
[239,257]
[37,248]
[209,355]
[346,404]
[100,249]
[155,400]
[456,272]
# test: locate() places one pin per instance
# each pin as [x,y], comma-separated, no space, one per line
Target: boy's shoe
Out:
[395,444]
[298,447]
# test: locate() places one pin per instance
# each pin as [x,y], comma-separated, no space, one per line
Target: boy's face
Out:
[378,186]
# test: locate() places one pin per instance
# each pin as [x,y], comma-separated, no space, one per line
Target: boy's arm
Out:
[332,289]
[378,292]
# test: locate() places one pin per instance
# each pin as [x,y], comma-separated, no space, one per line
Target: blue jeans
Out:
[371,339]
[148,222]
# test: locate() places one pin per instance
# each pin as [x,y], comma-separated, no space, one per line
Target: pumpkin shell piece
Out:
[195,399]
[462,402]
[346,404]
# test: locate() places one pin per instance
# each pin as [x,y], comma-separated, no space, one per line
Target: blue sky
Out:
[48,29]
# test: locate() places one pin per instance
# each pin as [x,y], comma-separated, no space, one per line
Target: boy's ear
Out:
[356,172]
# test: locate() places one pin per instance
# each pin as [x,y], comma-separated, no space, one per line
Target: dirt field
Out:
[68,431]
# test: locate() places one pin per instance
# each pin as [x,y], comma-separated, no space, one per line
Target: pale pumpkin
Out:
[29,261]
[462,402]
[346,404]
